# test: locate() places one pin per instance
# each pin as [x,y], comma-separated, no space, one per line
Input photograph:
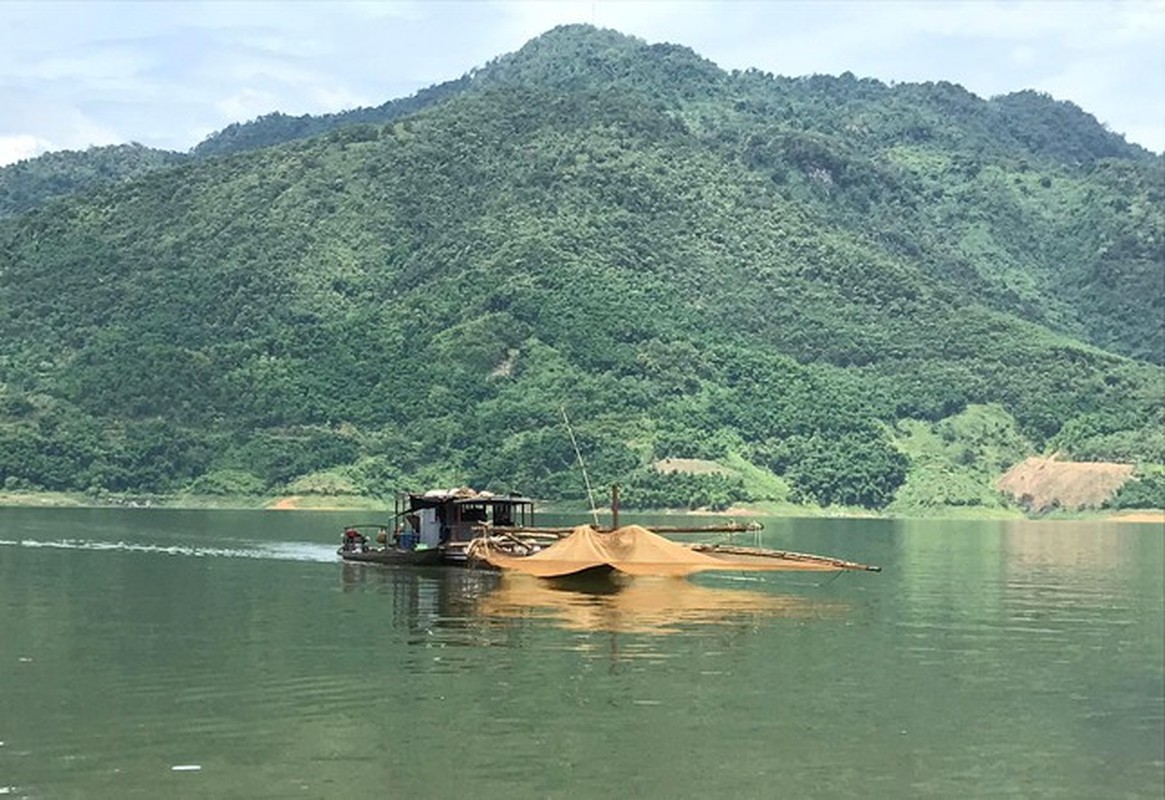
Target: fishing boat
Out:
[356,546]
[437,527]
[392,555]
[450,519]
[499,531]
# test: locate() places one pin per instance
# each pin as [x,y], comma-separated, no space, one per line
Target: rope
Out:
[581,463]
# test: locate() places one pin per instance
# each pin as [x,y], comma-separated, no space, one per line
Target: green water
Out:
[987,659]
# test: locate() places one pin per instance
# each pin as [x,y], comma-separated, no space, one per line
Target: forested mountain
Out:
[803,278]
[32,182]
[273,129]
[1028,201]
[28,184]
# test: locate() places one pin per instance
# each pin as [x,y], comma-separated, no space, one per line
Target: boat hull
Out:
[391,555]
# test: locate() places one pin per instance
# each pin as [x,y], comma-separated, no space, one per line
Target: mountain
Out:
[33,182]
[804,278]
[277,128]
[1029,202]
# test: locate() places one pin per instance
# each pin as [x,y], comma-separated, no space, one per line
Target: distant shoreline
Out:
[372,504]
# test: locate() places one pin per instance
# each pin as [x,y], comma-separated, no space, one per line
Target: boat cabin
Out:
[451,518]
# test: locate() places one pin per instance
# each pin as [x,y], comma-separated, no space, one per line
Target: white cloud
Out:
[40,120]
[22,146]
[165,72]
[247,104]
[333,98]
[98,64]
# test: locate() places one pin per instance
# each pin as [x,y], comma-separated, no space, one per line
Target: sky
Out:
[167,74]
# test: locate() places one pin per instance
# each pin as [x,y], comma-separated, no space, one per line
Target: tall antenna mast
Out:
[581,463]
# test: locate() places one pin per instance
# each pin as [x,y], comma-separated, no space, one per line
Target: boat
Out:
[393,555]
[450,519]
[356,547]
[482,529]
[437,527]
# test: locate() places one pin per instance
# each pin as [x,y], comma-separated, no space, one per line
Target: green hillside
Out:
[773,272]
[33,182]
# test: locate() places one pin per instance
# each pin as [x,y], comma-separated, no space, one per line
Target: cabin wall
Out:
[430,527]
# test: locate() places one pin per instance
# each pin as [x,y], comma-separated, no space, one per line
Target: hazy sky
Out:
[166,74]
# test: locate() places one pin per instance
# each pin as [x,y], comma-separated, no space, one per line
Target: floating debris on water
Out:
[186,768]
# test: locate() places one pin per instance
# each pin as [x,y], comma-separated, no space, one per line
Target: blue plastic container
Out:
[408,541]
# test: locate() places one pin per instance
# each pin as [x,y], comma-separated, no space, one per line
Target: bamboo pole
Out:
[789,555]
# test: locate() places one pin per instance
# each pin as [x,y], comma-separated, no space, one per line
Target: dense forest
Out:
[843,292]
[33,182]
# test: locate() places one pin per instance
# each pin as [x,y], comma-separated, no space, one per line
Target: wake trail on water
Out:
[282,551]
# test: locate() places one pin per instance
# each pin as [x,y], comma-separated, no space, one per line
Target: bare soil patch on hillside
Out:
[1042,484]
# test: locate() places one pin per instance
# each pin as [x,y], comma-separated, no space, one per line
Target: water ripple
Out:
[277,551]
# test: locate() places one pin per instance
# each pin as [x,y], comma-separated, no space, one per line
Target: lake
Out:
[162,653]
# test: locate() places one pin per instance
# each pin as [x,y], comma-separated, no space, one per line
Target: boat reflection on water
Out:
[446,601]
[639,605]
[448,593]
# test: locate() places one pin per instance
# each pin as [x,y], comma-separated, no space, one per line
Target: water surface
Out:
[149,653]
